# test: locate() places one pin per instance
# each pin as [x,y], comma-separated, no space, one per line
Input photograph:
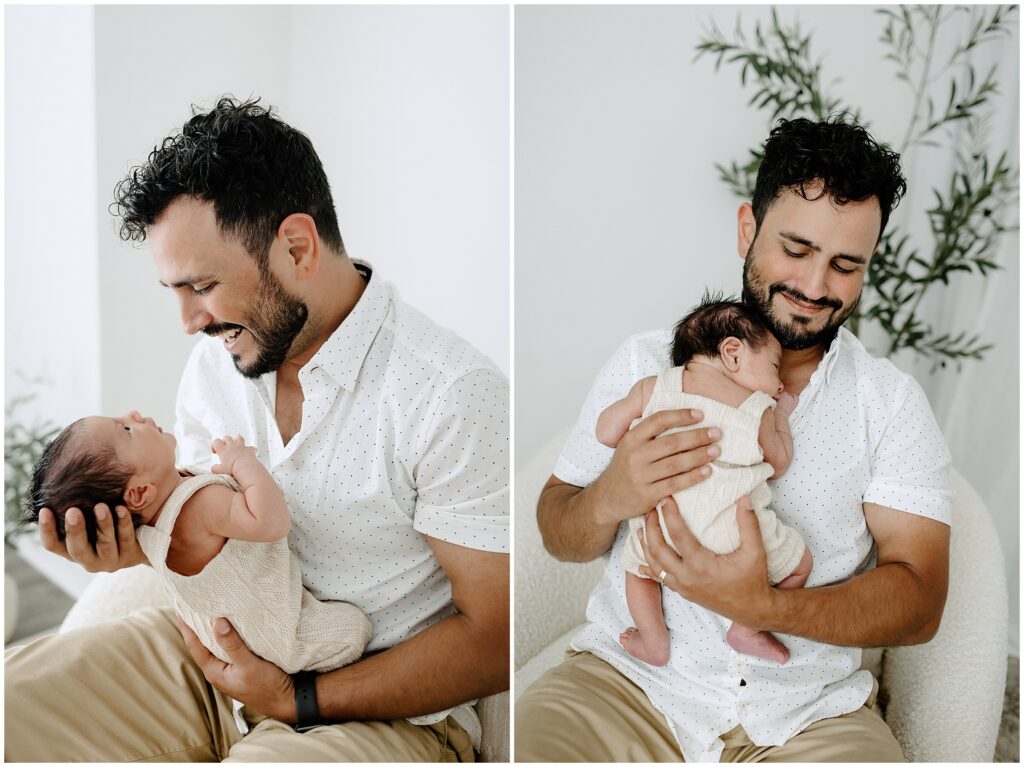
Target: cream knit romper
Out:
[709,507]
[258,587]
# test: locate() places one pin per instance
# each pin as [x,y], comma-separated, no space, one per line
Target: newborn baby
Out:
[727,365]
[219,540]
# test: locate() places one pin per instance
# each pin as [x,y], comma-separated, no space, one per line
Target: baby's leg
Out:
[649,640]
[761,643]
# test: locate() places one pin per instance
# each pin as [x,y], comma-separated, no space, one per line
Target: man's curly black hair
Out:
[254,168]
[849,163]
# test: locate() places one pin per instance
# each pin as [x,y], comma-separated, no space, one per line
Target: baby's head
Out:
[727,332]
[125,461]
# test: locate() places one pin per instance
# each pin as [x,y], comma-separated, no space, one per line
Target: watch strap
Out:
[306,710]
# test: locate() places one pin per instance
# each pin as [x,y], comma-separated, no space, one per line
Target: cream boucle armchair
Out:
[943,700]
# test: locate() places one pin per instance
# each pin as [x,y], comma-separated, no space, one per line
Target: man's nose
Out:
[193,317]
[812,283]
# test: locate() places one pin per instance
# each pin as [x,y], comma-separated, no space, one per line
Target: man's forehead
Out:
[823,223]
[186,255]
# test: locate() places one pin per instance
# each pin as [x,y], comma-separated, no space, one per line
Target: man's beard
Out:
[791,331]
[276,320]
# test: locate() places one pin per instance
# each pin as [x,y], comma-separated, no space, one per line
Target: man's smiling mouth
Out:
[231,337]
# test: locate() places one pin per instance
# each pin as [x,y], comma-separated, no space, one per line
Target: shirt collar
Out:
[342,355]
[843,338]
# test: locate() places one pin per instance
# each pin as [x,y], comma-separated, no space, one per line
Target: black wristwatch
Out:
[306,710]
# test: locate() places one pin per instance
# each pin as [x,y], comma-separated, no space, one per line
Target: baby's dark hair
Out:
[71,473]
[712,321]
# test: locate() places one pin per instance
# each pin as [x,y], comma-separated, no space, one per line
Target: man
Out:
[868,476]
[389,438]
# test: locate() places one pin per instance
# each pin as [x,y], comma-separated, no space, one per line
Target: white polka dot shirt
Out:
[404,434]
[862,432]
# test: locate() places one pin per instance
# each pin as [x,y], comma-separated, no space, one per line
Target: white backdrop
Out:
[407,107]
[621,220]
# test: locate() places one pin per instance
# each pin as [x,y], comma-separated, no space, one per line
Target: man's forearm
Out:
[448,663]
[569,526]
[885,607]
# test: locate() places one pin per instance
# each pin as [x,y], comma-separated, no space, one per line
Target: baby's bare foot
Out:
[643,648]
[759,643]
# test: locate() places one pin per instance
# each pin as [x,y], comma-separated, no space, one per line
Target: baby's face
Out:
[137,441]
[759,368]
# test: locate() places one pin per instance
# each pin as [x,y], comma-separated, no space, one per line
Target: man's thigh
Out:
[860,736]
[583,710]
[394,741]
[124,690]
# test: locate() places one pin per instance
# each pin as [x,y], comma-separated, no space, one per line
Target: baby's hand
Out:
[230,450]
[787,403]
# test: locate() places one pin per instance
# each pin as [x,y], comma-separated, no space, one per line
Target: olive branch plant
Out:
[971,213]
[24,442]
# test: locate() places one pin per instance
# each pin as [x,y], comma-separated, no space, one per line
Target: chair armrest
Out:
[945,698]
[550,596]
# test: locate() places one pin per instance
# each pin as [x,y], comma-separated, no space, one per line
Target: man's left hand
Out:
[257,683]
[734,585]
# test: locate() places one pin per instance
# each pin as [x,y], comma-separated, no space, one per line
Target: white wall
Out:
[152,64]
[414,134]
[621,220]
[408,108]
[51,280]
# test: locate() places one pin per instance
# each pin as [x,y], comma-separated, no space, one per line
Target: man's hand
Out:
[258,683]
[647,467]
[734,585]
[115,547]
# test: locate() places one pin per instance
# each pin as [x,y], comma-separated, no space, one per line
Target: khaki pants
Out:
[585,711]
[128,690]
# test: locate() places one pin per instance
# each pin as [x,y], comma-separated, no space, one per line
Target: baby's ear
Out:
[138,495]
[729,350]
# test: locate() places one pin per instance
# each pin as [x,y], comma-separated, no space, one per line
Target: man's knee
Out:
[585,710]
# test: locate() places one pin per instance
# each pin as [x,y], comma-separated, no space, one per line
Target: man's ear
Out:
[729,351]
[298,232]
[139,495]
[746,229]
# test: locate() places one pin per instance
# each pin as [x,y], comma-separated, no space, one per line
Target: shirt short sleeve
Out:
[584,458]
[462,478]
[909,467]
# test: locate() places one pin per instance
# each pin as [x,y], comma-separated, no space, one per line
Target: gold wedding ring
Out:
[661,577]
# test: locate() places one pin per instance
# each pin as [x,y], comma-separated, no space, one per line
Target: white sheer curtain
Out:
[977,405]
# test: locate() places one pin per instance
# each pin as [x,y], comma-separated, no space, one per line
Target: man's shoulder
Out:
[882,386]
[871,369]
[439,353]
[642,354]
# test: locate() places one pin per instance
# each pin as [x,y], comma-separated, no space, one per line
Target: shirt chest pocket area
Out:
[821,495]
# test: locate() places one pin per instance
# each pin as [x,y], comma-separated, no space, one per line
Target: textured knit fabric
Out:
[709,508]
[258,588]
[862,432]
[404,435]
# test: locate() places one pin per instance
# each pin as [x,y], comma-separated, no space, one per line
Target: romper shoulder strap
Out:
[756,404]
[157,538]
[670,380]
